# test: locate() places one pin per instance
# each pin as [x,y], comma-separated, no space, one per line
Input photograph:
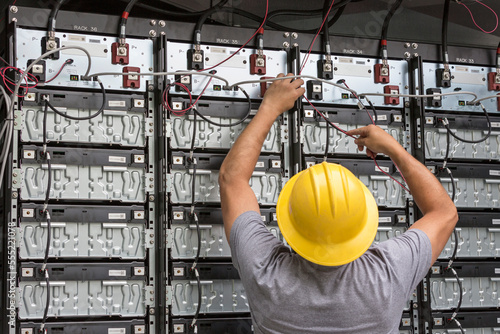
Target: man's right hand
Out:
[375,140]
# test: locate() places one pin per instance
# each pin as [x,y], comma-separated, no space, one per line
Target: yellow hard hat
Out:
[327,215]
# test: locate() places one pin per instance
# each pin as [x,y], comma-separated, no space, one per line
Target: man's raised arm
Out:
[440,214]
[236,195]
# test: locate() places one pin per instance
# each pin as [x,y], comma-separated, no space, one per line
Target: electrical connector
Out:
[494,81]
[394,91]
[436,99]
[314,90]
[381,73]
[184,79]
[258,63]
[325,68]
[38,70]
[50,43]
[120,53]
[443,77]
[132,80]
[195,58]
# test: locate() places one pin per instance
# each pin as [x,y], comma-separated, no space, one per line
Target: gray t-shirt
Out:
[288,294]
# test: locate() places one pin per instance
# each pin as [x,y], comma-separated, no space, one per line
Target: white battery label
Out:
[381,117]
[495,124]
[117,331]
[115,104]
[385,219]
[495,172]
[495,221]
[259,164]
[115,273]
[117,159]
[117,216]
[384,169]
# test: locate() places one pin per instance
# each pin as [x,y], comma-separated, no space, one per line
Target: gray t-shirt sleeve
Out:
[409,255]
[251,243]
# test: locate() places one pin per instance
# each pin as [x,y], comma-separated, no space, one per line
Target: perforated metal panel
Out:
[468,127]
[477,292]
[474,242]
[435,145]
[209,136]
[83,240]
[123,121]
[85,175]
[82,298]
[218,296]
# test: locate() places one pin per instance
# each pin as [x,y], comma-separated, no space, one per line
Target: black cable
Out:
[44,124]
[82,118]
[444,31]
[231,124]
[270,24]
[326,30]
[198,308]
[460,299]
[446,125]
[375,115]
[53,16]
[47,302]
[387,20]
[177,14]
[123,19]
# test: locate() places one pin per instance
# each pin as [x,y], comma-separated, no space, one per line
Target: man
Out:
[355,291]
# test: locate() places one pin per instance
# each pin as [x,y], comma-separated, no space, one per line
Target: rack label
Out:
[117,104]
[495,221]
[117,216]
[495,172]
[384,219]
[117,273]
[117,331]
[385,169]
[117,159]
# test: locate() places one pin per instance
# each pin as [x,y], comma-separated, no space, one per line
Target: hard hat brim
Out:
[326,253]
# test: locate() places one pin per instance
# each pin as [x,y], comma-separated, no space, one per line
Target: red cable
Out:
[317,34]
[59,72]
[7,81]
[183,112]
[402,186]
[259,30]
[165,99]
[327,120]
[472,17]
[356,96]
